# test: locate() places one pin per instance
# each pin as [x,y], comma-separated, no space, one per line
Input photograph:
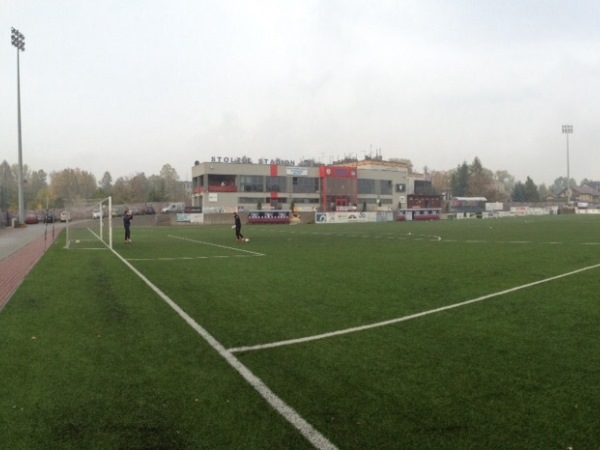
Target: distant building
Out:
[186,186]
[584,194]
[225,183]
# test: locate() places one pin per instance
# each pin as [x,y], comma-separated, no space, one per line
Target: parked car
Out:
[31,219]
[65,216]
[96,213]
[48,217]
[148,210]
[173,208]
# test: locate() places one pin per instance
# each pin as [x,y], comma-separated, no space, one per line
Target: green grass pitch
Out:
[439,335]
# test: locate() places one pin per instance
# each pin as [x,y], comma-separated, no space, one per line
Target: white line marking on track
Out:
[311,434]
[405,318]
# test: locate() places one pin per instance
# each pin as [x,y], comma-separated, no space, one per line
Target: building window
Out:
[251,184]
[305,185]
[276,184]
[366,186]
[386,187]
[423,187]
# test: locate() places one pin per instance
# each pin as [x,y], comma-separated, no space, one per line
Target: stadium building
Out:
[226,184]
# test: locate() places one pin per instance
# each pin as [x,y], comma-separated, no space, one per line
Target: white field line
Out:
[194,257]
[405,318]
[287,412]
[216,245]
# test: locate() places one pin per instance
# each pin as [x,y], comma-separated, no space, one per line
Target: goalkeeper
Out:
[127,224]
[238,227]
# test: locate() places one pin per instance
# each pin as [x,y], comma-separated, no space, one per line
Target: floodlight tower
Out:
[568,129]
[18,40]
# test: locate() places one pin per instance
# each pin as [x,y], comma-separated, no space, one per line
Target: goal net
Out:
[88,224]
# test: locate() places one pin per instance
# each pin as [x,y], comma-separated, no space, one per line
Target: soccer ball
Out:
[247,240]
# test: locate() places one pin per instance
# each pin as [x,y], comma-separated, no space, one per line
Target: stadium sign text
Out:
[246,160]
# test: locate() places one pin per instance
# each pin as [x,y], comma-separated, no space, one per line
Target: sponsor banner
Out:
[494,206]
[216,210]
[190,218]
[197,218]
[533,211]
[353,217]
[346,208]
[296,171]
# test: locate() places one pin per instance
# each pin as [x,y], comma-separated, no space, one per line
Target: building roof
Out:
[380,163]
[585,189]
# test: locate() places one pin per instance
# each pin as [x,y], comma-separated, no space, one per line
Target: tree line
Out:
[58,189]
[55,190]
[474,180]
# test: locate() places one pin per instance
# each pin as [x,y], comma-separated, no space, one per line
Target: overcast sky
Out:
[127,86]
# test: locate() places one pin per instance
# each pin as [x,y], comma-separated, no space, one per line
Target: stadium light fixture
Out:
[568,129]
[18,41]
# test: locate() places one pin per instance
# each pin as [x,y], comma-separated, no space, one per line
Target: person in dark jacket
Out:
[238,227]
[127,223]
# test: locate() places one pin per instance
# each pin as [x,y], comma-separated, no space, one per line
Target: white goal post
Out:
[88,223]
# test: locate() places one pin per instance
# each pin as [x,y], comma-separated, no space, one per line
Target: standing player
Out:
[238,227]
[127,224]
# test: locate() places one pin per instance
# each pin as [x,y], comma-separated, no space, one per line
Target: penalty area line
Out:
[215,245]
[405,318]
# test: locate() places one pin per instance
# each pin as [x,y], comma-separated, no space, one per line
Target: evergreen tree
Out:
[519,194]
[531,191]
[460,181]
[105,184]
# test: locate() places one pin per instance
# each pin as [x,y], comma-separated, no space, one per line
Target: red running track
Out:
[15,268]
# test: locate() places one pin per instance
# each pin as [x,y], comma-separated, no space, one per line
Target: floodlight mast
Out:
[18,41]
[568,129]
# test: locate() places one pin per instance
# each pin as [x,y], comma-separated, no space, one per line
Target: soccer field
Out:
[443,335]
